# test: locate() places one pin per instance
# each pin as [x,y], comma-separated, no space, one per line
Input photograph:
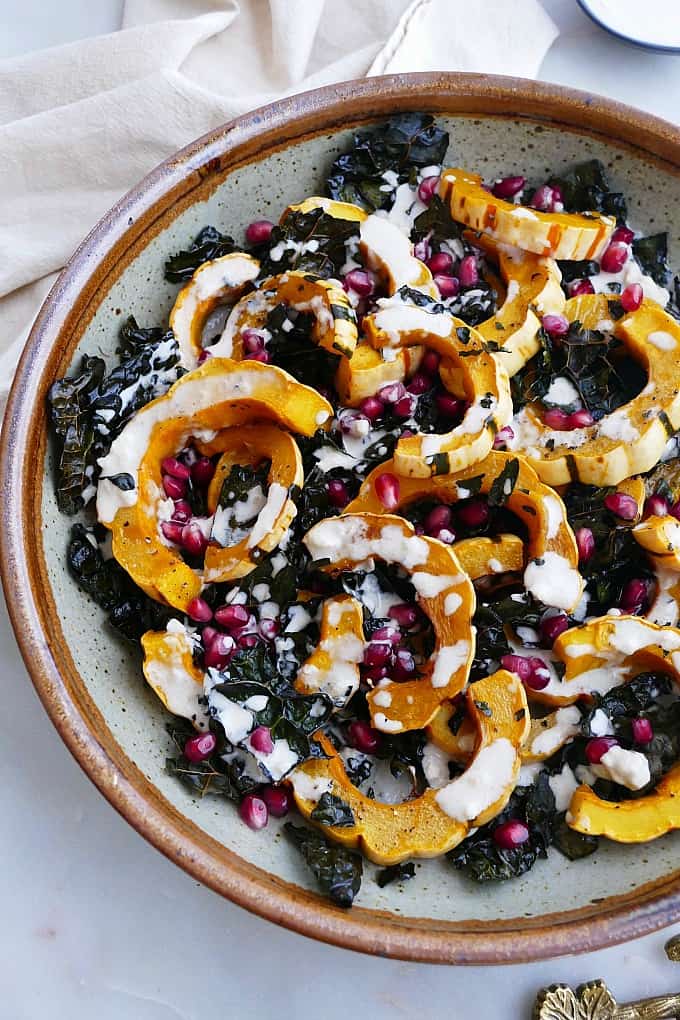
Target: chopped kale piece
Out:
[311,242]
[396,873]
[585,189]
[337,871]
[332,810]
[208,244]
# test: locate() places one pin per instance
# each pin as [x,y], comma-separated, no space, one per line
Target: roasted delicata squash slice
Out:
[551,572]
[665,607]
[333,666]
[440,818]
[169,669]
[631,439]
[389,253]
[660,535]
[217,395]
[483,557]
[335,324]
[628,821]
[219,282]
[366,372]
[338,210]
[444,594]
[484,380]
[559,235]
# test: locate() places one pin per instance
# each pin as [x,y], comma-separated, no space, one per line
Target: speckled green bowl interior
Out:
[111,669]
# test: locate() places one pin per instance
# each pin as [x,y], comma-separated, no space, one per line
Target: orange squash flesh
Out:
[170,671]
[366,372]
[630,821]
[333,666]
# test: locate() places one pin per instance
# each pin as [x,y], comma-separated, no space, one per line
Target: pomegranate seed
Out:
[442,262]
[261,356]
[232,616]
[203,356]
[510,834]
[585,542]
[182,512]
[407,433]
[248,640]
[508,187]
[390,634]
[577,287]
[175,488]
[445,535]
[556,325]
[363,737]
[439,517]
[427,189]
[552,626]
[405,661]
[172,530]
[468,274]
[252,341]
[200,747]
[193,539]
[643,732]
[202,471]
[474,513]
[405,407]
[544,198]
[376,673]
[391,393]
[631,297]
[199,610]
[175,468]
[420,383]
[421,250]
[556,419]
[448,405]
[259,231]
[261,740]
[277,799]
[622,505]
[623,234]
[518,664]
[372,408]
[208,635]
[539,676]
[360,282]
[387,490]
[634,595]
[448,286]
[503,438]
[430,363]
[614,257]
[598,747]
[354,424]
[218,654]
[254,811]
[404,614]
[268,629]
[377,654]
[656,506]
[338,494]
[581,419]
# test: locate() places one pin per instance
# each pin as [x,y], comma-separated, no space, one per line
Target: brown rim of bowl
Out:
[70,304]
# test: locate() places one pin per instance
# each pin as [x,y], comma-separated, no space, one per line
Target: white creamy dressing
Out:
[661,339]
[482,784]
[407,206]
[554,509]
[276,763]
[386,249]
[297,247]
[386,725]
[664,611]
[565,726]
[601,724]
[553,581]
[452,603]
[627,768]
[631,273]
[377,602]
[310,788]
[435,763]
[227,523]
[563,785]
[340,679]
[236,721]
[448,660]
[562,393]
[298,619]
[618,425]
[168,676]
[345,538]
[428,586]
[276,498]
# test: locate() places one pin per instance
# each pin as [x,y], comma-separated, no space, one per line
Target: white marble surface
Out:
[95,923]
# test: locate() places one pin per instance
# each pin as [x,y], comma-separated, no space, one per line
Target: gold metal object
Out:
[672,949]
[594,1001]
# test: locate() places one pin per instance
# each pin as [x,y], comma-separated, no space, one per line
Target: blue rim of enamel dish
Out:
[655,47]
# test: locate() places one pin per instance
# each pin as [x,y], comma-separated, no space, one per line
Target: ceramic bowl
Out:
[90,682]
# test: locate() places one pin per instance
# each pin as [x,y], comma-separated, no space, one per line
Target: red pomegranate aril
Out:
[539,676]
[372,408]
[387,490]
[376,673]
[439,517]
[390,634]
[193,540]
[642,731]
[404,614]
[595,749]
[503,437]
[442,262]
[430,363]
[261,740]
[581,419]
[277,799]
[353,424]
[614,257]
[518,664]
[338,493]
[203,357]
[268,629]
[445,535]
[420,383]
[252,341]
[577,287]
[232,616]
[175,488]
[405,662]
[259,231]
[377,654]
[248,641]
[555,325]
[556,419]
[362,737]
[623,234]
[253,811]
[199,610]
[622,505]
[448,286]
[468,273]
[391,393]
[219,652]
[427,188]
[421,250]
[448,405]
[182,512]
[474,513]
[405,406]
[631,297]
[552,626]
[585,542]
[202,471]
[634,595]
[261,356]
[508,187]
[208,635]
[175,468]
[360,282]
[656,506]
[172,530]
[543,198]
[510,834]
[200,747]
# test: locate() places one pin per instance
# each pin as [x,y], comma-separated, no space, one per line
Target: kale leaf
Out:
[572,844]
[337,871]
[652,254]
[223,775]
[503,486]
[311,242]
[209,244]
[293,349]
[332,810]
[396,873]
[437,225]
[585,189]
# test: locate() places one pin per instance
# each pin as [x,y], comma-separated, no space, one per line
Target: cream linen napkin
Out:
[80,124]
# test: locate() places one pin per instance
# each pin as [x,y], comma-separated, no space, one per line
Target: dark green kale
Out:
[332,810]
[436,225]
[90,408]
[130,610]
[396,873]
[225,777]
[572,844]
[238,485]
[337,871]
[402,145]
[578,270]
[652,254]
[208,244]
[293,349]
[311,242]
[503,486]
[585,189]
